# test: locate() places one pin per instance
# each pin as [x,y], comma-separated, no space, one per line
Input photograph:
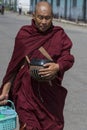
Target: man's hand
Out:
[23,127]
[3,99]
[49,70]
[4,95]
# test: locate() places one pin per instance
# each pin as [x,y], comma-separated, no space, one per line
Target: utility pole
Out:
[52,3]
[65,10]
[70,11]
[15,5]
[84,10]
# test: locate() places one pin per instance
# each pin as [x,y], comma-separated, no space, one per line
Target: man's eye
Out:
[44,17]
[47,17]
[40,17]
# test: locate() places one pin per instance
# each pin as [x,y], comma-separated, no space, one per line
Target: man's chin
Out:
[43,30]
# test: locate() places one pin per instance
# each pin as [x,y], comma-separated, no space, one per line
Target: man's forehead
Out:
[43,7]
[43,11]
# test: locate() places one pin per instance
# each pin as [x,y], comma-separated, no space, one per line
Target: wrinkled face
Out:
[43,18]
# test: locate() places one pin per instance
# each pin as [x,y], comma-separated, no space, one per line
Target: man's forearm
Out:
[6,88]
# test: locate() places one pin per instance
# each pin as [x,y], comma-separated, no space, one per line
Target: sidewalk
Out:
[77,23]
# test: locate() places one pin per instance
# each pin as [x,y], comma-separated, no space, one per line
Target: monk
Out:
[39,105]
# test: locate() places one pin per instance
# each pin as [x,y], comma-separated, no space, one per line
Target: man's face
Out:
[43,18]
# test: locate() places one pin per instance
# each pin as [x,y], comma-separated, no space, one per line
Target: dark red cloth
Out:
[39,105]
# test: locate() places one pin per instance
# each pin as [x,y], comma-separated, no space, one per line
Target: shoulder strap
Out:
[45,53]
[27,59]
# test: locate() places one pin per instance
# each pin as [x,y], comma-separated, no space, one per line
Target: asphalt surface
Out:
[75,80]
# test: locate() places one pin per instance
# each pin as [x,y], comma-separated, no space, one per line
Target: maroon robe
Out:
[38,104]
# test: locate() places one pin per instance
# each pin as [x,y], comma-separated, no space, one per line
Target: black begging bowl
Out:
[35,65]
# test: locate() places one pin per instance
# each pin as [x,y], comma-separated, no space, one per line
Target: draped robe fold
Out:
[38,104]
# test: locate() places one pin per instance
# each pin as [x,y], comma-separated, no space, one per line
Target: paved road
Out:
[75,80]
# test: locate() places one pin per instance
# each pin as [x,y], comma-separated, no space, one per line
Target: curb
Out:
[77,23]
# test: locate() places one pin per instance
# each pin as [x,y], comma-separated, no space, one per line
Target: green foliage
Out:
[0,0]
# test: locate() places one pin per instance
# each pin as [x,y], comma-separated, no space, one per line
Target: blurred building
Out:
[14,5]
[66,9]
[25,5]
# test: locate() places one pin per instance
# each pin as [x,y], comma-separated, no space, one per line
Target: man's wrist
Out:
[6,88]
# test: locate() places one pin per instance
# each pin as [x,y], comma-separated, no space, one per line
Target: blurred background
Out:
[73,10]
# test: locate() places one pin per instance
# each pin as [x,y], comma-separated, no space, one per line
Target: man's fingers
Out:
[4,102]
[2,97]
[23,127]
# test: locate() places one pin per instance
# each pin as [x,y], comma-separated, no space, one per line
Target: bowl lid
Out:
[39,62]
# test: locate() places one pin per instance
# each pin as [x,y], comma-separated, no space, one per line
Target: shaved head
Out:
[43,15]
[44,6]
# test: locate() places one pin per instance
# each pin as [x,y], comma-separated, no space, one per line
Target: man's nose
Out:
[44,20]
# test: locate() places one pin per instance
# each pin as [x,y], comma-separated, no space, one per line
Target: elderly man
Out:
[39,104]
